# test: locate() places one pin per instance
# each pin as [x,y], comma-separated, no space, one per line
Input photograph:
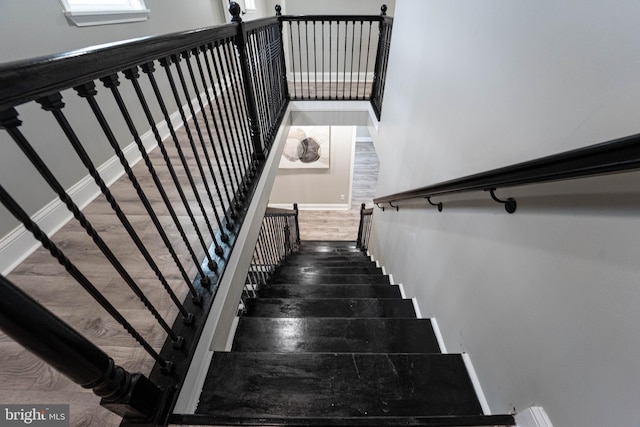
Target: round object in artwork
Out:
[292,149]
[310,150]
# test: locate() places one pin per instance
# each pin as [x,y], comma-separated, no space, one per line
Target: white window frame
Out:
[250,5]
[84,13]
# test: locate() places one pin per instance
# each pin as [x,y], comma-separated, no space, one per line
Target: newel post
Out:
[360,226]
[295,208]
[252,105]
[132,396]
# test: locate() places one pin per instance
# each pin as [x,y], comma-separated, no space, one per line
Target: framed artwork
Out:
[307,147]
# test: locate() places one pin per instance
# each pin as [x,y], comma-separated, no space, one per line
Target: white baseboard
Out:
[16,246]
[476,384]
[534,416]
[436,331]
[313,207]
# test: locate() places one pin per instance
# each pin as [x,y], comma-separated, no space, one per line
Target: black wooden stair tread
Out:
[335,335]
[337,385]
[291,290]
[329,307]
[320,279]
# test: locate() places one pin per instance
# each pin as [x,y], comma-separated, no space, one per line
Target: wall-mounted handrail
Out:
[618,155]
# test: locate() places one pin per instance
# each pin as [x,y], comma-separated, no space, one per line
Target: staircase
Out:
[329,341]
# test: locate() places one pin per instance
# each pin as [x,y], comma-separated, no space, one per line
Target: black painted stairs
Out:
[330,342]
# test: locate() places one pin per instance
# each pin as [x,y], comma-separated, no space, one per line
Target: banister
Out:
[23,81]
[618,155]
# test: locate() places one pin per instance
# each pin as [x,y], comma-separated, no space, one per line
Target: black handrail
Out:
[52,340]
[618,155]
[26,80]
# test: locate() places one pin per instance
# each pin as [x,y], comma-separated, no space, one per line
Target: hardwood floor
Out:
[24,379]
[343,225]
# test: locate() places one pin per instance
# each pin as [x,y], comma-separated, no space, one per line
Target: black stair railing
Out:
[364,227]
[333,57]
[279,237]
[228,88]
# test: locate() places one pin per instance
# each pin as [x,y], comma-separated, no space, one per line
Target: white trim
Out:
[476,384]
[416,308]
[534,416]
[232,334]
[88,13]
[353,162]
[16,246]
[402,292]
[436,330]
[313,207]
[87,19]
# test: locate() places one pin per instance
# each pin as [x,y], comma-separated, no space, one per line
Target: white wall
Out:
[545,300]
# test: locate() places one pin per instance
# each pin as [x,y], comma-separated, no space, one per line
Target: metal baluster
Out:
[330,57]
[359,61]
[240,101]
[242,137]
[194,118]
[196,54]
[237,183]
[12,206]
[337,57]
[344,63]
[323,69]
[293,62]
[258,79]
[366,67]
[186,55]
[306,41]
[315,58]
[132,75]
[88,91]
[148,70]
[227,121]
[300,59]
[272,81]
[225,185]
[53,103]
[353,40]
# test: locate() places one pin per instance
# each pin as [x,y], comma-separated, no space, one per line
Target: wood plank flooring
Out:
[25,379]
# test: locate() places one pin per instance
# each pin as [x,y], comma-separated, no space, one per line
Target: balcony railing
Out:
[200,110]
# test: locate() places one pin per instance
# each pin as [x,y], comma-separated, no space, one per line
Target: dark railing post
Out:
[283,63]
[132,396]
[360,226]
[295,208]
[241,45]
[379,71]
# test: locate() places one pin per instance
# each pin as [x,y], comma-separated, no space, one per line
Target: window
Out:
[250,5]
[100,12]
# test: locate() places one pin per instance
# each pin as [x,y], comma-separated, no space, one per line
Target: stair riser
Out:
[330,291]
[320,279]
[349,308]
